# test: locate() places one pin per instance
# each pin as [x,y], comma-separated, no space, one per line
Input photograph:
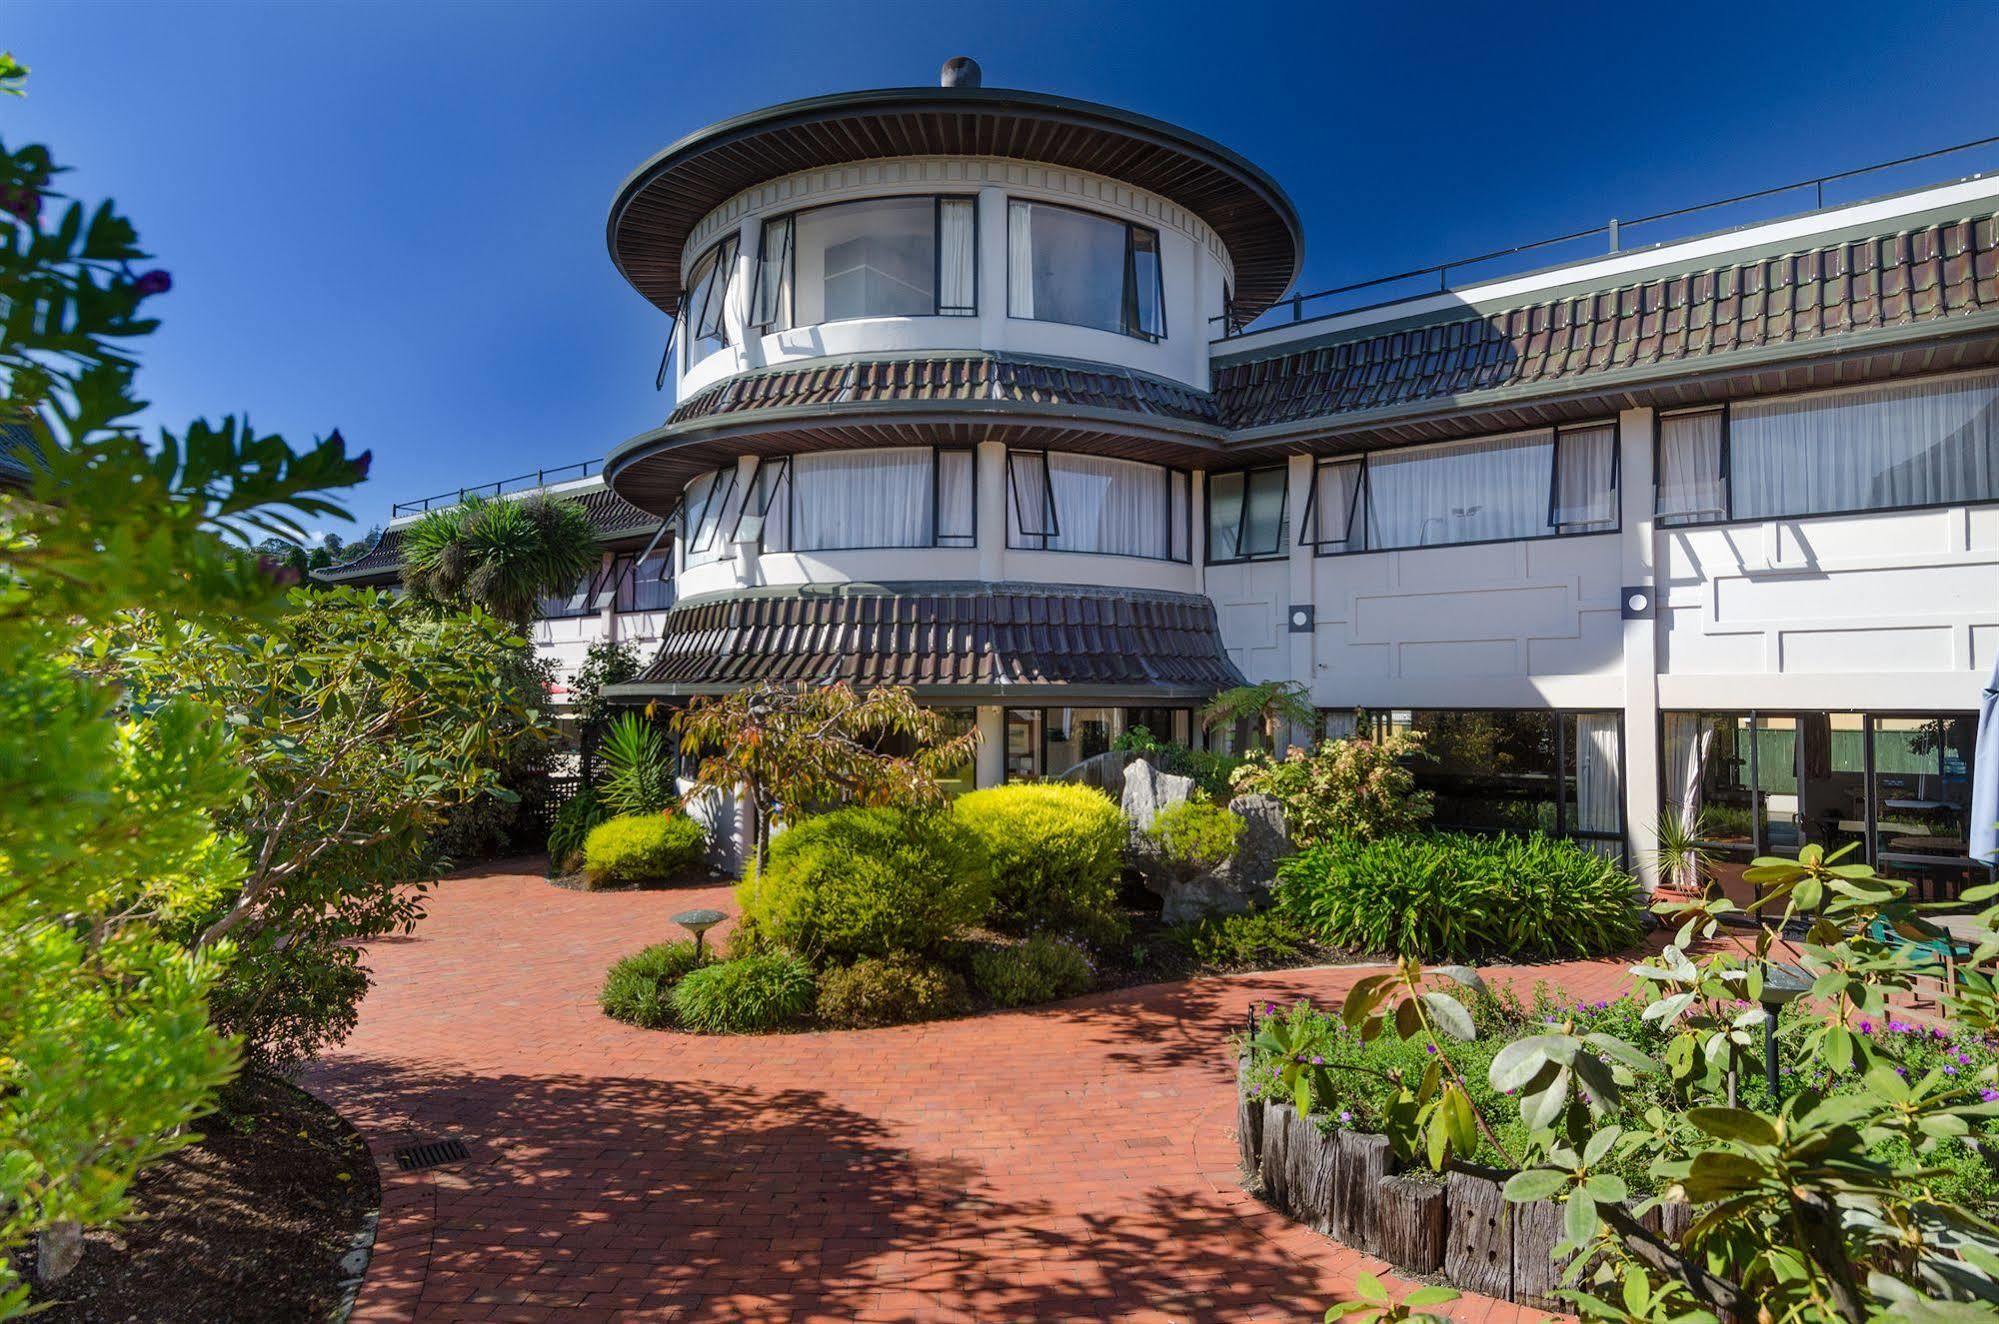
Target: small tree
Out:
[1268,707]
[790,750]
[1356,788]
[504,555]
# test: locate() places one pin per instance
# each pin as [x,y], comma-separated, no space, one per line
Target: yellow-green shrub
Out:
[643,848]
[1038,970]
[1057,854]
[868,882]
[889,990]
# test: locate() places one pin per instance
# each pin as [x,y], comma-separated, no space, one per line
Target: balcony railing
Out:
[1613,236]
[526,482]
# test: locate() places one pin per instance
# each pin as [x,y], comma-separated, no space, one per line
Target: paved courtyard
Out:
[1068,1162]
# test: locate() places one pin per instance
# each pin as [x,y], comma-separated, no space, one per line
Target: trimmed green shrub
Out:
[889,990]
[1242,942]
[639,989]
[573,821]
[745,995]
[868,882]
[1196,835]
[1448,896]
[643,848]
[1057,854]
[1038,970]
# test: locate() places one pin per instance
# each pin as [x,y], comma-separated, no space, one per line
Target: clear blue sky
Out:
[389,217]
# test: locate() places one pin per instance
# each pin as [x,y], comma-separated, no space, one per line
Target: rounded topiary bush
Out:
[745,995]
[889,990]
[1038,970]
[1196,834]
[1057,854]
[868,882]
[643,848]
[639,989]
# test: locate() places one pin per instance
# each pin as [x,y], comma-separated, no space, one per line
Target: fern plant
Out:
[638,776]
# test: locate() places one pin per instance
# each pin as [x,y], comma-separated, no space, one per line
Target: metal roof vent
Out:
[960,71]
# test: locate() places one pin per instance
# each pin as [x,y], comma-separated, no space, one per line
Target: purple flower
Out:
[152,282]
[1901,1071]
[1989,1095]
[1950,1071]
[1867,1027]
[1318,1061]
[1269,1008]
[1602,1004]
[1900,1027]
[1430,1048]
[1346,1118]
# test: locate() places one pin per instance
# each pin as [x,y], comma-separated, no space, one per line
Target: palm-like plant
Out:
[1682,857]
[638,776]
[504,555]
[1267,707]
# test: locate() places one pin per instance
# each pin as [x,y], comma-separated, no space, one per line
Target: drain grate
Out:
[429,1154]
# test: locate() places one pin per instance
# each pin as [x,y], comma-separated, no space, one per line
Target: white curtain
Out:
[1114,506]
[1692,488]
[771,494]
[1462,491]
[1019,259]
[1599,796]
[1225,497]
[957,256]
[956,524]
[709,500]
[1907,444]
[1687,738]
[1027,512]
[855,499]
[1334,510]
[1586,479]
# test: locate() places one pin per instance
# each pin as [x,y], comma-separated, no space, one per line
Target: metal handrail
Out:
[1234,325]
[525,482]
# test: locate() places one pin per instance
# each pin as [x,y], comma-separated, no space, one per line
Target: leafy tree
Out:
[606,662]
[794,749]
[359,718]
[1268,707]
[106,1048]
[504,554]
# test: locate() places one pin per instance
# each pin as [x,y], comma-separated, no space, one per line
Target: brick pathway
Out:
[1069,1162]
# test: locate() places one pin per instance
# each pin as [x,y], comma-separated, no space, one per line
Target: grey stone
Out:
[1239,884]
[1104,771]
[57,1251]
[1147,791]
[1265,843]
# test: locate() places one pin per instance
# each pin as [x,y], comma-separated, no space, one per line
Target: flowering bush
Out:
[1353,788]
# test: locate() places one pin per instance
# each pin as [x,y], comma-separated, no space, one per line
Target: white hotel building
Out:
[980,392]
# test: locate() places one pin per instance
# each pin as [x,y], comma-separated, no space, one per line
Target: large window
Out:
[704,506]
[1246,514]
[1065,265]
[1896,445]
[885,257]
[644,585]
[1520,770]
[1541,484]
[908,496]
[704,325]
[1058,502]
[1897,786]
[1047,742]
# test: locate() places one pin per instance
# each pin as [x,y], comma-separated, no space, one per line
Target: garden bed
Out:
[266,1218]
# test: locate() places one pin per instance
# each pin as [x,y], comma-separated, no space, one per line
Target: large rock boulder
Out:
[1104,771]
[1242,882]
[1147,791]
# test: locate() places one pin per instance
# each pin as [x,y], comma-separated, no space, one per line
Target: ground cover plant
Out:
[1451,896]
[745,994]
[890,990]
[639,988]
[1041,969]
[1847,1196]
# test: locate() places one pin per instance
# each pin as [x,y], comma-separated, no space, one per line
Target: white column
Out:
[1638,554]
[992,267]
[745,553]
[738,309]
[1303,669]
[989,768]
[991,461]
[607,616]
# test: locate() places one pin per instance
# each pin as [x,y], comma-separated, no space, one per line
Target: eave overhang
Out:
[663,200]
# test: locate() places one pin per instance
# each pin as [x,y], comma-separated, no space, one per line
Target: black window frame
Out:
[788,485]
[693,525]
[717,297]
[1281,550]
[938,308]
[1128,298]
[625,582]
[1360,507]
[1723,464]
[1018,519]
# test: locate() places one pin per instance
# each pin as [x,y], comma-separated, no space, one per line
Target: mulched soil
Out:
[250,1223]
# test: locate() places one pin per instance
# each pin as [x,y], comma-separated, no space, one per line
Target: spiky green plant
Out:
[638,775]
[505,555]
[1682,857]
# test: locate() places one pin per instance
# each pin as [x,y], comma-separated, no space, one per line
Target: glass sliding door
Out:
[1921,800]
[1023,744]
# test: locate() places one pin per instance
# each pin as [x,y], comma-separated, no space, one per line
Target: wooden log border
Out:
[1348,1185]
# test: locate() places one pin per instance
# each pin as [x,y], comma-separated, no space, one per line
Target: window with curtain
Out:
[1337,522]
[1919,443]
[1065,265]
[705,503]
[1246,514]
[1692,478]
[705,327]
[645,585]
[909,496]
[1585,479]
[882,257]
[1059,502]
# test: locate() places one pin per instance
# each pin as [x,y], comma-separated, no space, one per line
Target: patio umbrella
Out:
[1985,777]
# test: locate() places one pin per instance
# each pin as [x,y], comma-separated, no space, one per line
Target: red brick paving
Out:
[1068,1162]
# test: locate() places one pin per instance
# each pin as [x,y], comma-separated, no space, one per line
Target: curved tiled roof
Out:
[944,639]
[612,517]
[1927,275]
